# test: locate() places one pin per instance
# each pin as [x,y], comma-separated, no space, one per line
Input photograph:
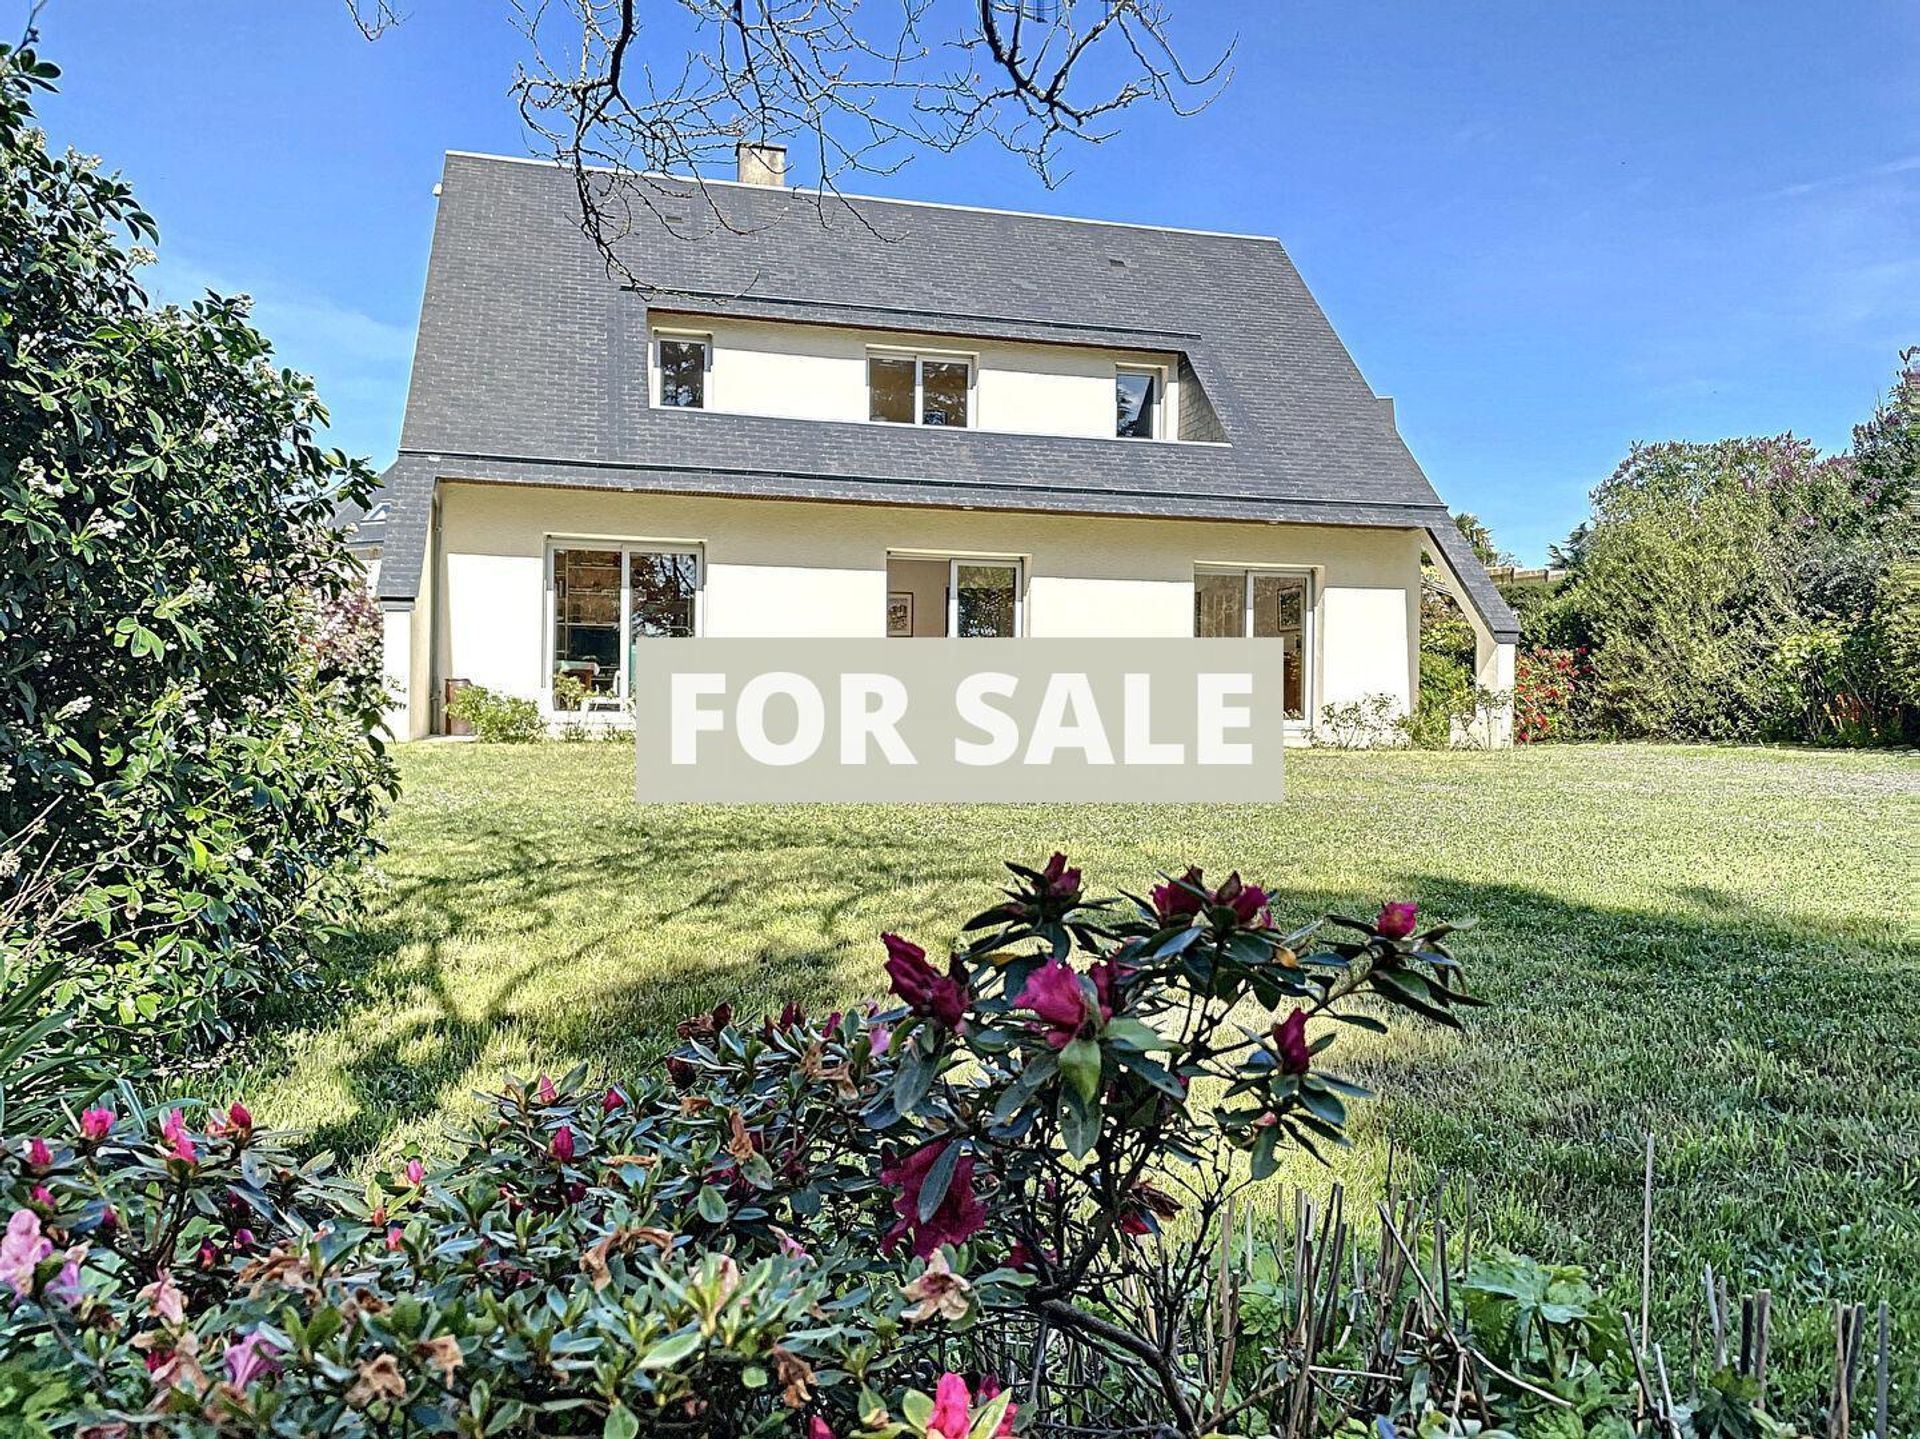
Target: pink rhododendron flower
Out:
[817,1429]
[95,1125]
[1247,901]
[563,1144]
[1107,978]
[1396,920]
[1053,992]
[925,990]
[416,1173]
[209,1256]
[611,1100]
[545,1092]
[239,1118]
[1290,1043]
[173,1129]
[952,1409]
[1177,901]
[165,1301]
[959,1216]
[790,1246]
[1061,882]
[22,1250]
[243,1239]
[38,1155]
[43,1196]
[248,1359]
[989,1391]
[64,1287]
[393,1238]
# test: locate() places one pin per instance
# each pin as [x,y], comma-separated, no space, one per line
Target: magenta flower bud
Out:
[96,1124]
[38,1155]
[1177,901]
[240,1117]
[612,1100]
[1396,921]
[545,1091]
[927,992]
[416,1173]
[563,1144]
[1290,1043]
[393,1238]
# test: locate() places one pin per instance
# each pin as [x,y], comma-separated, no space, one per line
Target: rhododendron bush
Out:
[897,1221]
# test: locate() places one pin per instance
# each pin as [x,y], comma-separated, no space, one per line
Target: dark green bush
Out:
[170,702]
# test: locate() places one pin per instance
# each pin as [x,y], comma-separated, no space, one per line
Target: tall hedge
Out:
[183,735]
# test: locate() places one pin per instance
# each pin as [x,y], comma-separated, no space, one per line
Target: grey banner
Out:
[859,721]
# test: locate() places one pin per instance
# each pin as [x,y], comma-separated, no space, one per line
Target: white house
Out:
[872,417]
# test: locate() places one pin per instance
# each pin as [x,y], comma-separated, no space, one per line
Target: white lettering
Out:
[810,718]
[970,703]
[1216,717]
[1068,693]
[871,708]
[1138,743]
[687,717]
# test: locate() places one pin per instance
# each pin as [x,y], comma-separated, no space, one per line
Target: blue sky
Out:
[1547,230]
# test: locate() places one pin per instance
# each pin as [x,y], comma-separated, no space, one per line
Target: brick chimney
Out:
[761,164]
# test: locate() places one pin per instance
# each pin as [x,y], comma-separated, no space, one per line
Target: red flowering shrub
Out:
[1546,685]
[793,1231]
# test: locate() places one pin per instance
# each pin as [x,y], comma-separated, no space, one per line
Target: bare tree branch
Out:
[865,86]
[373,18]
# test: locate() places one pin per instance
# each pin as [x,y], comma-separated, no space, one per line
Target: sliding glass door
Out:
[1260,604]
[606,599]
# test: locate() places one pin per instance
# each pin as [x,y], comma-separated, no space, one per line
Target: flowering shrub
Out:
[788,1233]
[1546,684]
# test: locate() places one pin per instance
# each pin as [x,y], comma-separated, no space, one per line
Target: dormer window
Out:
[683,362]
[1139,395]
[906,389]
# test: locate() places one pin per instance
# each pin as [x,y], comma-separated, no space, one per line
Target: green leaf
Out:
[671,1350]
[1079,1124]
[711,1205]
[934,1189]
[1080,1063]
[622,1423]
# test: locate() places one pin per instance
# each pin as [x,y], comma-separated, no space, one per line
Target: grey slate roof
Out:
[530,362]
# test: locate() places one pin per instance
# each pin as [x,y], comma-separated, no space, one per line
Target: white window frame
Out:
[656,369]
[1158,374]
[627,548]
[920,360]
[985,562]
[1309,627]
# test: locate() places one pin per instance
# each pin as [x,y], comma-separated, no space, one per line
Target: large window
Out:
[1259,604]
[1138,397]
[682,361]
[919,389]
[606,599]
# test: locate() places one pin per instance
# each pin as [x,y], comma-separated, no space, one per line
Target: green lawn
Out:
[1714,944]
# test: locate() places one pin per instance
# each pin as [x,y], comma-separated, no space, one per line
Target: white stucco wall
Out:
[800,569]
[819,372]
